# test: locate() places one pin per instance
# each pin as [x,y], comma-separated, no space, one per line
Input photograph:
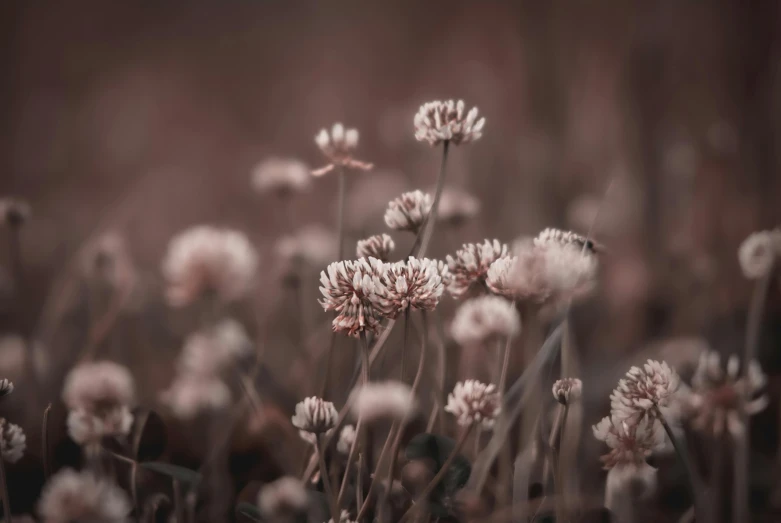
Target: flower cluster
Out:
[13,442]
[387,400]
[314,416]
[470,264]
[205,260]
[81,496]
[483,318]
[474,402]
[415,284]
[630,443]
[379,246]
[99,396]
[409,211]
[567,390]
[445,121]
[644,389]
[6,387]
[758,252]
[283,499]
[338,146]
[284,176]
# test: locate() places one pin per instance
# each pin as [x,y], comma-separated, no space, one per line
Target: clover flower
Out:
[284,176]
[409,211]
[470,264]
[379,246]
[283,498]
[338,146]
[643,390]
[415,284]
[80,496]
[440,121]
[474,402]
[483,318]
[567,390]
[314,415]
[384,400]
[13,442]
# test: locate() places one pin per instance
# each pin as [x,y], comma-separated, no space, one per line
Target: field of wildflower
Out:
[250,271]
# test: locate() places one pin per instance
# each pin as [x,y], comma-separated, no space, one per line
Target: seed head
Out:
[567,390]
[471,263]
[12,441]
[408,212]
[79,496]
[439,121]
[338,146]
[379,246]
[484,318]
[474,402]
[283,176]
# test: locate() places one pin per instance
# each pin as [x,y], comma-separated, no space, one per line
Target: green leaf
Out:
[181,474]
[248,510]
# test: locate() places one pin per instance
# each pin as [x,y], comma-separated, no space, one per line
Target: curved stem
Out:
[431,218]
[683,456]
[350,463]
[326,480]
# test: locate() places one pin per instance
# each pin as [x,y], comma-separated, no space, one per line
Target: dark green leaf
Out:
[181,474]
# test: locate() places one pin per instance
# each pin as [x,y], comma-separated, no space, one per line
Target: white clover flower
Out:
[415,284]
[86,427]
[457,207]
[567,390]
[379,246]
[207,260]
[6,387]
[474,402]
[471,263]
[13,442]
[189,395]
[500,277]
[346,439]
[718,399]
[353,289]
[80,496]
[13,212]
[313,245]
[384,400]
[408,212]
[630,443]
[210,352]
[643,390]
[338,146]
[283,176]
[440,121]
[483,318]
[315,415]
[757,253]
[551,235]
[283,498]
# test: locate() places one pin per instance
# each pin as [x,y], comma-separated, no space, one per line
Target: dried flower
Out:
[379,246]
[436,122]
[205,260]
[352,289]
[474,402]
[630,443]
[457,207]
[384,400]
[283,498]
[6,387]
[13,212]
[12,441]
[315,415]
[757,253]
[471,263]
[80,496]
[408,212]
[189,394]
[284,176]
[346,439]
[313,245]
[718,399]
[484,318]
[415,284]
[209,352]
[338,147]
[643,390]
[567,390]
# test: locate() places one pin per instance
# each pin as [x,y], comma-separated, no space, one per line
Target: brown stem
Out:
[505,366]
[332,503]
[4,486]
[340,212]
[47,465]
[442,370]
[350,463]
[431,218]
[364,358]
[178,504]
[385,447]
[404,344]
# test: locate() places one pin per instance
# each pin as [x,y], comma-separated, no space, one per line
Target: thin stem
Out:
[505,366]
[178,504]
[364,358]
[340,212]
[386,446]
[477,443]
[359,482]
[332,503]
[683,456]
[439,476]
[4,485]
[442,370]
[431,218]
[350,462]
[404,344]
[47,465]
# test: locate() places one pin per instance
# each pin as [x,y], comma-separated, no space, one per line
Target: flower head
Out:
[338,146]
[315,415]
[13,212]
[471,263]
[6,387]
[408,212]
[206,259]
[484,318]
[313,245]
[85,427]
[643,390]
[415,284]
[352,289]
[567,390]
[384,400]
[630,443]
[284,176]
[551,235]
[283,498]
[719,397]
[457,207]
[346,439]
[80,496]
[190,394]
[12,441]
[208,353]
[474,402]
[757,253]
[379,246]
[439,121]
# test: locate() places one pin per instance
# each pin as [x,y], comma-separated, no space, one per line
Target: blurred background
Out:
[144,118]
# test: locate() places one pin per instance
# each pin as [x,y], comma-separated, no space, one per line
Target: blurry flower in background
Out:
[344,517]
[471,263]
[106,261]
[630,444]
[346,439]
[757,253]
[283,499]
[282,176]
[379,246]
[642,390]
[368,197]
[391,400]
[338,146]
[12,441]
[485,318]
[315,415]
[500,278]
[312,246]
[14,351]
[208,353]
[352,289]
[408,212]
[14,212]
[439,121]
[567,390]
[557,236]
[718,399]
[474,402]
[80,496]
[457,207]
[99,396]
[189,395]
[6,387]
[206,260]
[414,284]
